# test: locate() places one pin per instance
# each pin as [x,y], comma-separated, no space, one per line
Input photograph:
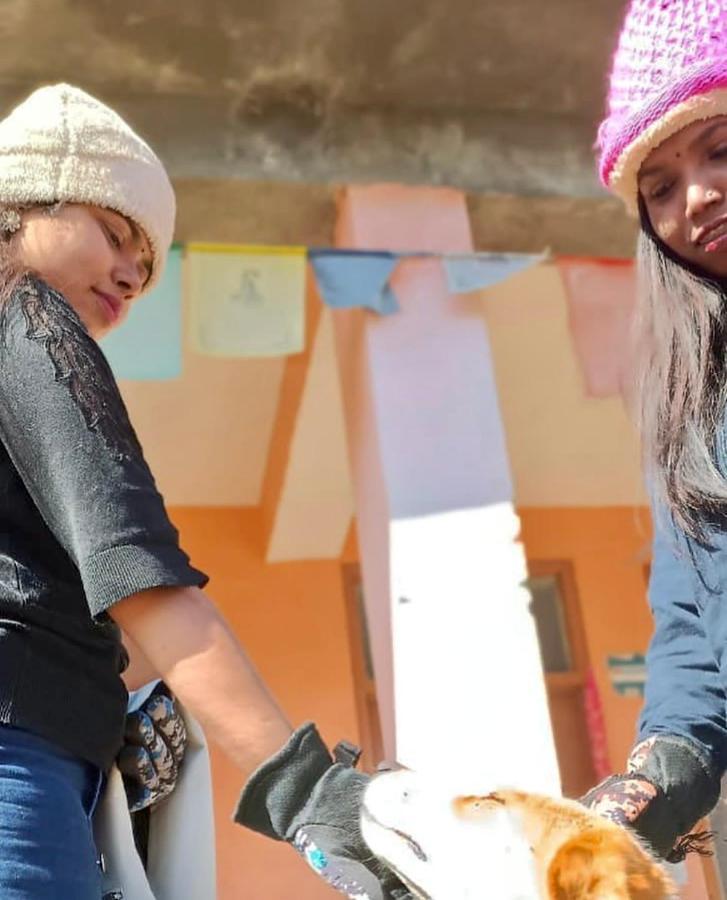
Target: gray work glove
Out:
[302,796]
[668,787]
[155,740]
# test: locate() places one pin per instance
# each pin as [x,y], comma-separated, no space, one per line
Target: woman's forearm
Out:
[186,640]
[139,671]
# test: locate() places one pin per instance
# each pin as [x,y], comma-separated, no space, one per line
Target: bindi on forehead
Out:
[137,234]
[140,241]
[691,138]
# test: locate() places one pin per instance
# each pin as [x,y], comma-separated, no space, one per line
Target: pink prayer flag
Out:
[601,296]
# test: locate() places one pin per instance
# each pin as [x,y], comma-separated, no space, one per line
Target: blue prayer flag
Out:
[473,272]
[148,346]
[348,279]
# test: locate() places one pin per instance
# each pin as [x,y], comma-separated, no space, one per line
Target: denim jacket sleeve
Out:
[684,694]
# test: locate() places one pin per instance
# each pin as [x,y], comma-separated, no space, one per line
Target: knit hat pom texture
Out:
[669,70]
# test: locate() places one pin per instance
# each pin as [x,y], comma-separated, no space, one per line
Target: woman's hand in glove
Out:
[668,787]
[302,796]
[155,740]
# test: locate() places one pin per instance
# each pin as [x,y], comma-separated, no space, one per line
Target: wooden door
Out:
[556,609]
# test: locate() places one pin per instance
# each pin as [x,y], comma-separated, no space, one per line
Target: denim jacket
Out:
[686,685]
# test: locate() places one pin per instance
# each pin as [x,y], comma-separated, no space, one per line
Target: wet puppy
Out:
[506,845]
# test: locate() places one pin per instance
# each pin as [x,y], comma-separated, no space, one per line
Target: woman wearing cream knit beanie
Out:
[664,152]
[86,547]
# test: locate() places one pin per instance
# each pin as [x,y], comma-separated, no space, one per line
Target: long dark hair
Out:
[679,385]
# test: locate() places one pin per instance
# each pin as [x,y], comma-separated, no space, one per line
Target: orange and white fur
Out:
[506,845]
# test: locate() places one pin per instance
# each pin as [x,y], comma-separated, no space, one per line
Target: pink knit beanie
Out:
[670,69]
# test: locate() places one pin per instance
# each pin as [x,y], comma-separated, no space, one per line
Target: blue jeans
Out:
[47,799]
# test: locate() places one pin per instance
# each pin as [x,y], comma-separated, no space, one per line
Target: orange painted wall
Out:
[290,618]
[608,548]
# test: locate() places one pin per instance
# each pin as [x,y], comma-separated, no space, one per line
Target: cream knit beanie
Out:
[62,145]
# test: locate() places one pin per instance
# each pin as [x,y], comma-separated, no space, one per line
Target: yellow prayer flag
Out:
[246,300]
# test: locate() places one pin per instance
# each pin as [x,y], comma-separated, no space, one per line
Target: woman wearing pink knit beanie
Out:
[86,546]
[663,150]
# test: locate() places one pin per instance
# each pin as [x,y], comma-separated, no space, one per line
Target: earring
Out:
[10,222]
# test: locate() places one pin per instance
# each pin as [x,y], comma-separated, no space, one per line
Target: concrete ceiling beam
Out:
[229,210]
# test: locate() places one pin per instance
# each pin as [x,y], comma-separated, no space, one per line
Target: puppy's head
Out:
[445,847]
[504,845]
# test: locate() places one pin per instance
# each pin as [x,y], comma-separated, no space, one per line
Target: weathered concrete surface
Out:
[279,213]
[259,109]
[567,226]
[253,212]
[489,96]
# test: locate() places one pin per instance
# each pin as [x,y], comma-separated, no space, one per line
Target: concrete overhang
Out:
[499,99]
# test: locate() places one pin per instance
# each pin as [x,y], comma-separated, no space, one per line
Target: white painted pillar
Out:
[457,662]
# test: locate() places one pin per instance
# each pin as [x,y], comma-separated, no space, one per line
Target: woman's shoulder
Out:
[41,311]
[46,347]
[36,317]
